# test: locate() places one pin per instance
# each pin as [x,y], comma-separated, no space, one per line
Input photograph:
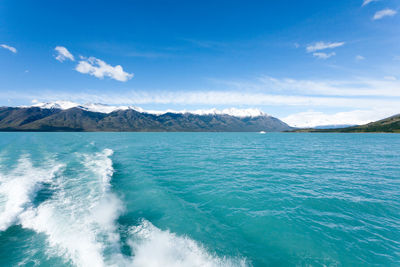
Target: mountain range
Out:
[69,116]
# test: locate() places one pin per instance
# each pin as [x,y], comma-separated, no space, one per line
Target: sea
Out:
[199,199]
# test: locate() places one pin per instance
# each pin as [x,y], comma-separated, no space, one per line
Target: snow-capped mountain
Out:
[103,108]
[55,104]
[93,107]
[70,116]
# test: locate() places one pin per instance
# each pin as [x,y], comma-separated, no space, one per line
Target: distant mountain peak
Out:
[55,104]
[104,108]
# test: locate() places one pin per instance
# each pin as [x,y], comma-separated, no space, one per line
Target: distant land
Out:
[71,117]
[334,126]
[388,125]
[65,116]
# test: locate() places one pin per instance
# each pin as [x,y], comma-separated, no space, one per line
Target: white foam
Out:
[153,247]
[18,189]
[79,220]
[80,223]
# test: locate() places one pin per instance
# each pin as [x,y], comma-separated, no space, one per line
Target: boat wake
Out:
[79,219]
[19,187]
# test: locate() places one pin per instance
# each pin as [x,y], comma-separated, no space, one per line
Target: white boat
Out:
[262,132]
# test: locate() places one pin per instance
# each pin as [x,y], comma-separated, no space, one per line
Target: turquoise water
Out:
[199,199]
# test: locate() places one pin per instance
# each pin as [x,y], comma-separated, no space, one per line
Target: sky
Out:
[306,62]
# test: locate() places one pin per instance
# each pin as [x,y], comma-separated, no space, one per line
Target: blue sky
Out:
[306,62]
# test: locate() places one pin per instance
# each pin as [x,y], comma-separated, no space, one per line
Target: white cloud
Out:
[315,118]
[101,69]
[366,2]
[10,48]
[384,13]
[93,66]
[322,55]
[359,58]
[322,46]
[63,54]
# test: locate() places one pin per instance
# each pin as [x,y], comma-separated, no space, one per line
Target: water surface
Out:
[199,199]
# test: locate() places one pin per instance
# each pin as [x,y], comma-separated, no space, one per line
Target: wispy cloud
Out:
[63,54]
[357,87]
[358,93]
[100,69]
[384,13]
[366,2]
[214,99]
[359,58]
[322,55]
[10,48]
[323,45]
[313,118]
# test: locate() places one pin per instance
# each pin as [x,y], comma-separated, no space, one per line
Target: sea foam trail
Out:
[19,187]
[153,247]
[80,222]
